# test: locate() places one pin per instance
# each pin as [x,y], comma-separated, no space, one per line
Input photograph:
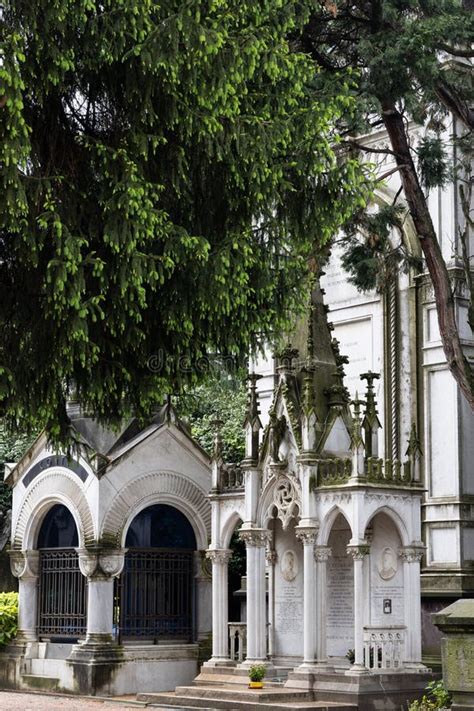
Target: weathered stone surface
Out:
[457,650]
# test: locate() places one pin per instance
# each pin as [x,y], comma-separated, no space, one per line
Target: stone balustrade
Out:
[333,471]
[232,478]
[384,647]
[388,471]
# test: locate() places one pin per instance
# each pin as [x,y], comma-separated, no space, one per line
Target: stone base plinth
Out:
[368,692]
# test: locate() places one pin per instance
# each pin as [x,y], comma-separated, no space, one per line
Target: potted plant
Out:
[256,674]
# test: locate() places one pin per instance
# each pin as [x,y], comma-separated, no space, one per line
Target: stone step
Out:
[252,700]
[45,683]
[243,693]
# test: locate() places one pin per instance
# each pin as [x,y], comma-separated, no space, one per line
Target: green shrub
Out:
[8,617]
[257,672]
[436,698]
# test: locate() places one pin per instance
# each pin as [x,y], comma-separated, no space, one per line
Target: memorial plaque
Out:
[340,605]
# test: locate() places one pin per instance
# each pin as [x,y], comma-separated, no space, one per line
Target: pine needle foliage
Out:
[165,170]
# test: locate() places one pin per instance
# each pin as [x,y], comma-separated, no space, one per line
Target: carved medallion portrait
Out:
[388,563]
[289,566]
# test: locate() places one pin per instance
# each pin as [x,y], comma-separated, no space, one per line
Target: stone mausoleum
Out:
[113,549]
[109,549]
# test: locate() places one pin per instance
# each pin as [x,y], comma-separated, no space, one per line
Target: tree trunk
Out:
[457,362]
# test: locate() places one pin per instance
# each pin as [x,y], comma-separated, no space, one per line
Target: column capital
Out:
[271,556]
[97,563]
[307,534]
[24,564]
[221,556]
[358,552]
[258,537]
[413,553]
[322,553]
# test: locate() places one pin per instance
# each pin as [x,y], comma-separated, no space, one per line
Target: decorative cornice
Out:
[258,537]
[219,556]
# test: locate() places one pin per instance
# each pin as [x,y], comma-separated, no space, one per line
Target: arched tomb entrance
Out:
[155,598]
[62,592]
[340,594]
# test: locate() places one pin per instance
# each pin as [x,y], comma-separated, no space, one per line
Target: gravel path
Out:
[42,702]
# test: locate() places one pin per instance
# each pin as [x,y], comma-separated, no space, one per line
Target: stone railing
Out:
[388,471]
[333,471]
[384,647]
[237,641]
[232,477]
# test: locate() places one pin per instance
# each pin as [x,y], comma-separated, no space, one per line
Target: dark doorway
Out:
[155,593]
[62,595]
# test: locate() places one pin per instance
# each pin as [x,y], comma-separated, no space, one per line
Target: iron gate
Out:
[62,603]
[155,594]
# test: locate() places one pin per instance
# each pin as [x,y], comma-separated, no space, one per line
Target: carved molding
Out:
[286,499]
[57,486]
[156,487]
[24,564]
[219,557]
[257,537]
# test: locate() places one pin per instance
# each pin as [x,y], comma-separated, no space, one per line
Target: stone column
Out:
[307,535]
[100,566]
[321,555]
[411,556]
[255,542]
[95,659]
[272,557]
[358,552]
[220,615]
[25,566]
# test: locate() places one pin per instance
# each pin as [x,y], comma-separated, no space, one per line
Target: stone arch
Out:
[396,520]
[328,523]
[164,487]
[229,528]
[53,487]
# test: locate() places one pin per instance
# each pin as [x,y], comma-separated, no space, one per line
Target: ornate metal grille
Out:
[154,596]
[62,604]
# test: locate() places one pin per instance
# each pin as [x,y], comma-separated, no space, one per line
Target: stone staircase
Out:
[224,689]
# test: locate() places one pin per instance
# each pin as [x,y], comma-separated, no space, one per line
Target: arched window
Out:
[160,526]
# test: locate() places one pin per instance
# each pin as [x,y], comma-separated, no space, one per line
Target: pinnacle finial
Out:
[217,448]
[371,423]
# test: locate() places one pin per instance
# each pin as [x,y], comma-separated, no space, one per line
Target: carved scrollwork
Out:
[286,499]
